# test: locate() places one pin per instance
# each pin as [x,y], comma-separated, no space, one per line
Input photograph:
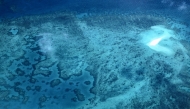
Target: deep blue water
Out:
[27,7]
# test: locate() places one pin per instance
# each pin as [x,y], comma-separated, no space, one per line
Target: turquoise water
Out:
[94,55]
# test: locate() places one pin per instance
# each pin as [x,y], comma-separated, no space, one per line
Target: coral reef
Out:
[93,61]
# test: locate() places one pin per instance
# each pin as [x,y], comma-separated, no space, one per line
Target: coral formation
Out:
[104,60]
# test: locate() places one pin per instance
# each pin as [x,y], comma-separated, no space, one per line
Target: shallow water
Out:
[95,55]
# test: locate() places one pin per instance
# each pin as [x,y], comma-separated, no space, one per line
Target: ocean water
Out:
[81,54]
